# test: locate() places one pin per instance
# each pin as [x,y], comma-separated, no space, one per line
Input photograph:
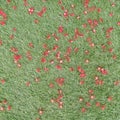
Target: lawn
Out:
[59,59]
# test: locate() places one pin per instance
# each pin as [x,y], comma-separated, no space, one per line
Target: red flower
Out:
[110,98]
[88,104]
[103,107]
[37,79]
[71,69]
[31,45]
[2,108]
[104,72]
[31,10]
[118,23]
[5,101]
[51,85]
[82,75]
[92,97]
[40,13]
[60,81]
[86,3]
[14,50]
[65,13]
[1,42]
[82,82]
[90,91]
[17,57]
[38,70]
[43,60]
[55,47]
[83,110]
[2,23]
[81,99]
[40,111]
[46,69]
[60,29]
[97,104]
[9,108]
[28,84]
[59,67]
[8,1]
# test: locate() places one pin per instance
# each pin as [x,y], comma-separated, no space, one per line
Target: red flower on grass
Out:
[2,81]
[9,107]
[58,67]
[43,60]
[17,58]
[60,81]
[60,29]
[40,111]
[1,42]
[31,10]
[4,17]
[83,110]
[40,13]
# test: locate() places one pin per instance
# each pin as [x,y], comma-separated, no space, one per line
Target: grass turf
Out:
[52,44]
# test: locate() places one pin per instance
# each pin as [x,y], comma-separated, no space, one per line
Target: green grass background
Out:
[26,101]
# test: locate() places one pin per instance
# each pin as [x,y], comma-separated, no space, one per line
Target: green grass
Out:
[26,101]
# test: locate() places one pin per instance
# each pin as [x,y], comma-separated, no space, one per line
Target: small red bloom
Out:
[86,3]
[51,85]
[31,10]
[37,70]
[104,72]
[40,13]
[103,107]
[1,42]
[83,110]
[48,36]
[71,69]
[60,81]
[52,100]
[60,29]
[17,57]
[14,50]
[65,13]
[82,75]
[9,108]
[2,108]
[114,57]
[28,84]
[40,111]
[81,99]
[97,104]
[43,60]
[2,23]
[110,98]
[8,1]
[37,79]
[118,23]
[46,69]
[19,65]
[31,45]
[55,47]
[88,104]
[82,82]
[14,7]
[90,91]
[116,83]
[92,97]
[36,21]
[4,101]
[59,67]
